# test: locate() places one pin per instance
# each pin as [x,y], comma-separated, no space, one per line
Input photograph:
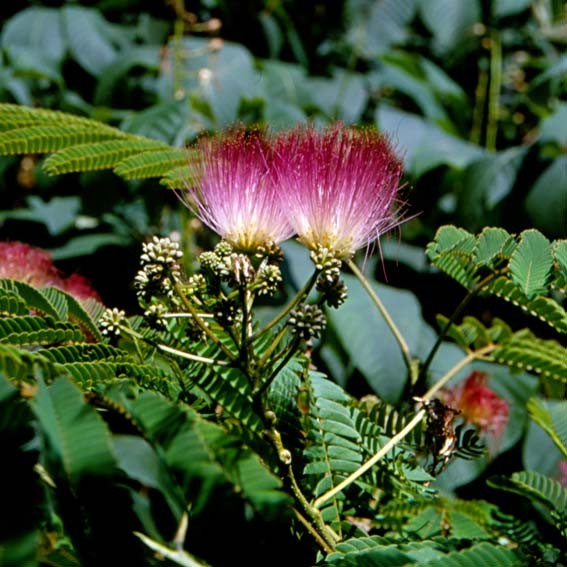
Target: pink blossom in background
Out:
[563,473]
[234,193]
[22,262]
[339,186]
[479,404]
[80,287]
[28,264]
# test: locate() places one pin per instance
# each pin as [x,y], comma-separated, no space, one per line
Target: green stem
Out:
[269,351]
[303,292]
[174,351]
[285,358]
[328,535]
[305,522]
[244,296]
[494,90]
[480,94]
[201,324]
[405,431]
[384,312]
[460,308]
[456,369]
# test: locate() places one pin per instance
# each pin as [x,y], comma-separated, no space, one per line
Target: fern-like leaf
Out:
[34,298]
[153,163]
[333,449]
[546,357]
[82,144]
[539,488]
[177,178]
[11,304]
[44,139]
[544,308]
[98,155]
[485,554]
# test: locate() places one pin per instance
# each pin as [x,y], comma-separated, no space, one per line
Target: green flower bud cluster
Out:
[326,261]
[160,267]
[268,279]
[333,290]
[111,320]
[154,315]
[307,321]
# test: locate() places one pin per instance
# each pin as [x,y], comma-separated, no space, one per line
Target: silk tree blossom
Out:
[34,266]
[339,186]
[235,193]
[479,404]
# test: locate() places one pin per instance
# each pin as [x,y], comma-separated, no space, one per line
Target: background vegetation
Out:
[472,93]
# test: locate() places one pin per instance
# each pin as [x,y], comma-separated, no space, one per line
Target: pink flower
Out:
[25,263]
[79,286]
[22,262]
[236,196]
[562,465]
[479,404]
[339,186]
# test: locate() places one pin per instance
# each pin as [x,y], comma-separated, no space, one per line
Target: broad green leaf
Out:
[539,451]
[369,342]
[449,21]
[531,263]
[486,183]
[159,122]
[89,41]
[505,8]
[87,244]
[378,25]
[552,420]
[38,30]
[425,145]
[405,72]
[216,79]
[554,127]
[343,97]
[546,203]
[111,81]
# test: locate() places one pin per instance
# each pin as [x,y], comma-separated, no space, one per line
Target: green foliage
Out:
[540,489]
[82,144]
[523,270]
[468,92]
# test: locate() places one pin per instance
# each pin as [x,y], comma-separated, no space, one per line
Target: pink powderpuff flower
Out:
[22,262]
[562,465]
[479,404]
[27,264]
[339,186]
[79,287]
[235,194]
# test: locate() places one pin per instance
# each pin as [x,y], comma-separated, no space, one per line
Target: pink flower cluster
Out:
[479,404]
[22,262]
[335,188]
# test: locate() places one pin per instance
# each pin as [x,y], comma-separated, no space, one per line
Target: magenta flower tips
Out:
[235,194]
[338,186]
